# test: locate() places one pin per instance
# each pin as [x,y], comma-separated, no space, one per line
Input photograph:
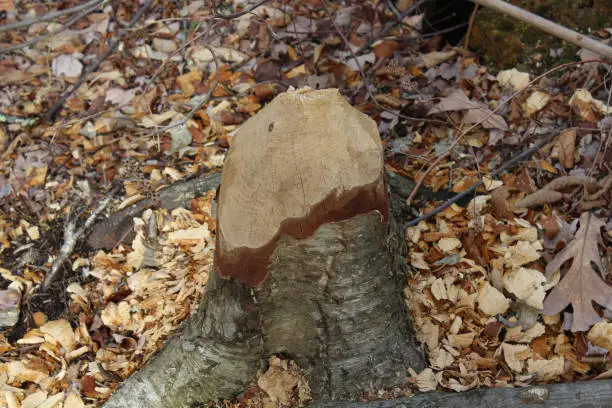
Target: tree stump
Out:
[307,264]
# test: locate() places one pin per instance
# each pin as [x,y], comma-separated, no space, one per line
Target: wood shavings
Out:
[491,301]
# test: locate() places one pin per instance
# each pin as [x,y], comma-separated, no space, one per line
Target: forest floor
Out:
[103,104]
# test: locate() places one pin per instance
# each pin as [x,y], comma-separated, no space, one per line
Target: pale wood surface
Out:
[306,159]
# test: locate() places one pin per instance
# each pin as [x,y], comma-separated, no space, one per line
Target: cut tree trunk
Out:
[308,264]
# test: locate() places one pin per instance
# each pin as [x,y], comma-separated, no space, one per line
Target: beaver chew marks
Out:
[306,159]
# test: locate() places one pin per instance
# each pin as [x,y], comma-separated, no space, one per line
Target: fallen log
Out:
[583,394]
[308,264]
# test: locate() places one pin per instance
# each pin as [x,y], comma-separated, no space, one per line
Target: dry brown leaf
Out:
[457,100]
[561,183]
[581,284]
[501,205]
[550,194]
[567,147]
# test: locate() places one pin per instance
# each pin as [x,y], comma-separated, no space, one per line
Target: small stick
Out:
[479,183]
[91,68]
[49,16]
[216,14]
[501,105]
[63,28]
[71,238]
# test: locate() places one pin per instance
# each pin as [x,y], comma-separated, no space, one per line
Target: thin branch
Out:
[216,14]
[479,183]
[161,67]
[363,75]
[548,26]
[480,122]
[71,238]
[63,28]
[49,16]
[466,43]
[93,67]
[383,31]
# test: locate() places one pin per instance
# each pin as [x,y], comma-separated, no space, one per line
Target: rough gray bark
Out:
[347,331]
[585,394]
[330,301]
[216,355]
[306,265]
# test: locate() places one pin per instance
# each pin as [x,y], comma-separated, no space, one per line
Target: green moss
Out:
[504,42]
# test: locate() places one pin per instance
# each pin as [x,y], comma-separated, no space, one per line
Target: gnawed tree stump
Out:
[306,264]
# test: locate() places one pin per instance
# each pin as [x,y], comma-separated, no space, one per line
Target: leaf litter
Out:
[489,283]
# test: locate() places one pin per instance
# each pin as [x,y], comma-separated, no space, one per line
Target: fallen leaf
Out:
[546,370]
[7,5]
[61,331]
[455,101]
[581,284]
[448,244]
[522,253]
[385,48]
[434,58]
[567,147]
[514,356]
[601,335]
[486,118]
[67,65]
[186,81]
[282,381]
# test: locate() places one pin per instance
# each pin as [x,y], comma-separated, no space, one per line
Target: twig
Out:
[363,75]
[389,26]
[479,183]
[16,119]
[199,104]
[394,10]
[466,43]
[49,16]
[63,28]
[543,24]
[71,238]
[91,68]
[216,14]
[501,105]
[159,70]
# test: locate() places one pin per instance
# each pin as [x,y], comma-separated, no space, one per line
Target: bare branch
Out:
[49,16]
[493,112]
[69,23]
[91,68]
[474,186]
[236,15]
[71,238]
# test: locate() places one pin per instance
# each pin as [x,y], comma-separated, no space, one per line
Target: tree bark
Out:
[308,264]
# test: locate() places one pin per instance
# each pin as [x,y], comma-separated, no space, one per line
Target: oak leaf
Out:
[581,284]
